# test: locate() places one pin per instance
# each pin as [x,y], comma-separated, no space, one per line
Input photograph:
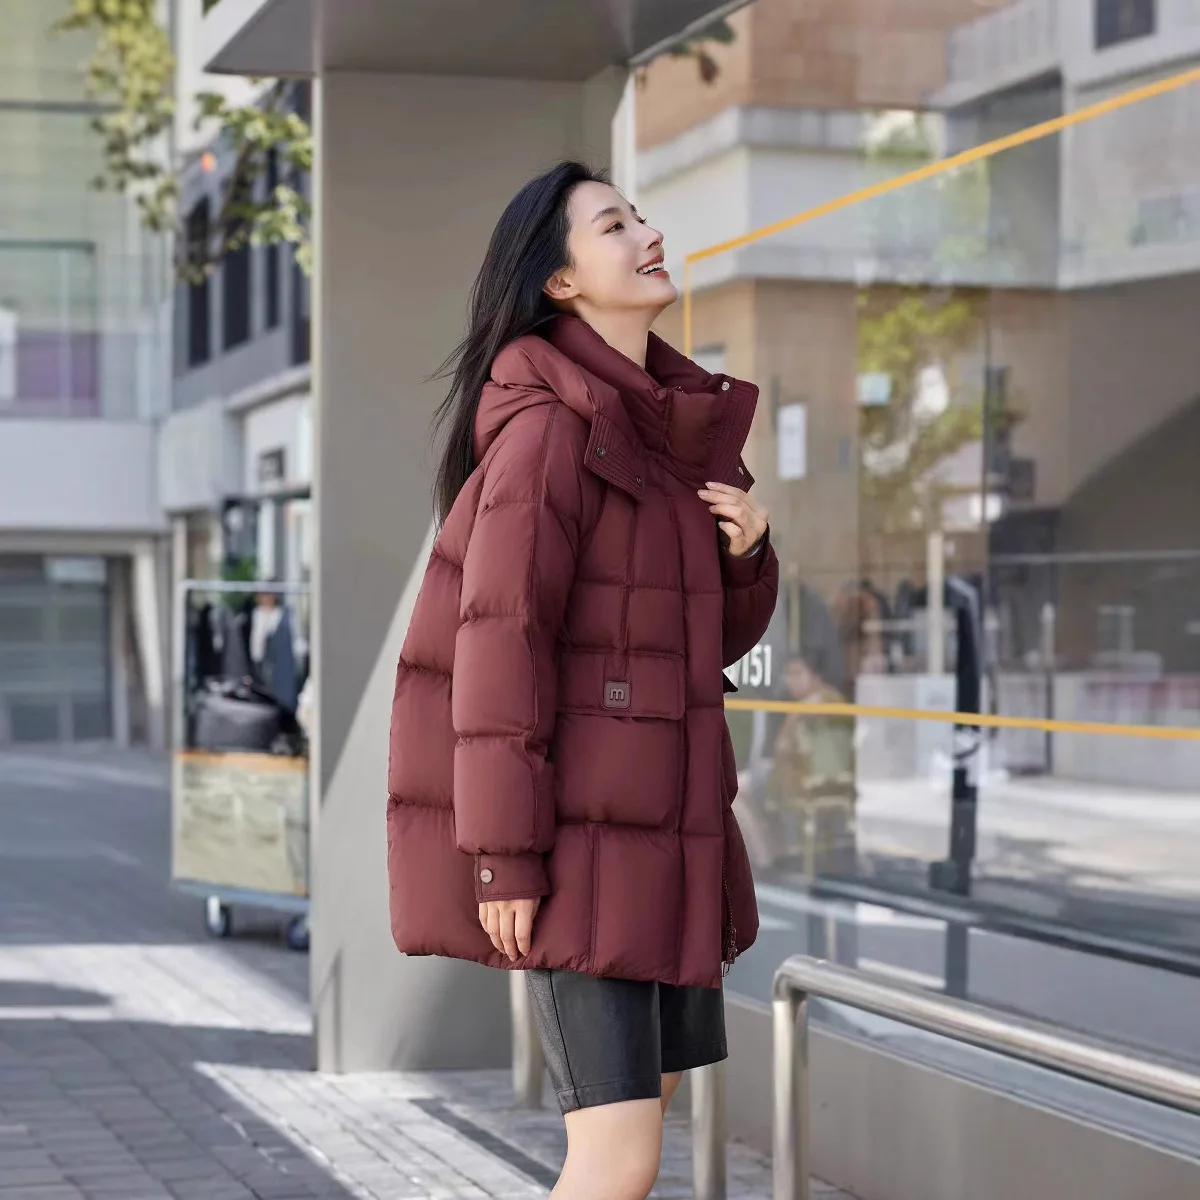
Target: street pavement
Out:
[141,1060]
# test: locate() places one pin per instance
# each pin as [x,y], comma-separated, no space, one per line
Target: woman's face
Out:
[616,258]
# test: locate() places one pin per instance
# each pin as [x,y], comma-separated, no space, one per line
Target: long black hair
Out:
[528,245]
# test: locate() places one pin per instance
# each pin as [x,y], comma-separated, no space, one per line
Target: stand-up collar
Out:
[693,423]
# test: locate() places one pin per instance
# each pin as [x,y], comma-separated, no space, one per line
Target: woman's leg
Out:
[670,1085]
[603,1050]
[613,1152]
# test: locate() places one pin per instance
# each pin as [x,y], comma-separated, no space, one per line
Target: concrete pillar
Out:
[175,625]
[412,175]
[624,142]
[118,624]
[148,607]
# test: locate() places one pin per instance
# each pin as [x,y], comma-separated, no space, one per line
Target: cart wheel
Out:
[218,919]
[296,933]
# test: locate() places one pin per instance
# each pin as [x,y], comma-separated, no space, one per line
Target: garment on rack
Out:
[206,662]
[235,645]
[272,654]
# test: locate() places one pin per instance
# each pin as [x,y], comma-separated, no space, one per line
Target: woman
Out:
[560,773]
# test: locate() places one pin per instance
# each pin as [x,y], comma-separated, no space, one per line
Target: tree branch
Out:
[133,66]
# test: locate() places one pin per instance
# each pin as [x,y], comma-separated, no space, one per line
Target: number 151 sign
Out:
[753,670]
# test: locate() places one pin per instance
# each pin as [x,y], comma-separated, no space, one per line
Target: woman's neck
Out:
[625,332]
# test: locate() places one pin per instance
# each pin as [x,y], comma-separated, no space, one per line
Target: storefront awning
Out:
[529,39]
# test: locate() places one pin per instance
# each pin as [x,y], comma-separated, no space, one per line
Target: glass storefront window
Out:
[979,410]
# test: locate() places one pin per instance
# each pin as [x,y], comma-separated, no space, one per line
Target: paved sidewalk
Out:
[141,1061]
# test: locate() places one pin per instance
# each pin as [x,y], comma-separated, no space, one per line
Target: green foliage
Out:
[240,570]
[902,446]
[719,31]
[133,69]
[695,47]
[946,219]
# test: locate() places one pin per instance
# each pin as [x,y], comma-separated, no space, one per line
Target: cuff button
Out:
[485,876]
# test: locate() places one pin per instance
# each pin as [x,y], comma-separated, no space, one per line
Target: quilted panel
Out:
[650,685]
[639,903]
[699,959]
[421,717]
[503,797]
[593,754]
[434,623]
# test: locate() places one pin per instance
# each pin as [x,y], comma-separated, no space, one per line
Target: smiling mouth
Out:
[652,268]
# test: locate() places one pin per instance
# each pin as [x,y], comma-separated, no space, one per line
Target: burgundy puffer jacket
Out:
[558,726]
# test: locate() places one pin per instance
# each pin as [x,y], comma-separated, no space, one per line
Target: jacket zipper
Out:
[728,931]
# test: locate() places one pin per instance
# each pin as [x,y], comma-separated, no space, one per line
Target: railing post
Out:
[529,1064]
[708,1132]
[790,1132]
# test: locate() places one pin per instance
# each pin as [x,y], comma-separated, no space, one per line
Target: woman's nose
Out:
[655,238]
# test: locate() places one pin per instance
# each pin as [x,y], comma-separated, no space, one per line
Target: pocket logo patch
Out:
[616,694]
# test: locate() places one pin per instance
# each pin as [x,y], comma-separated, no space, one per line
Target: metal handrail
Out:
[707,1087]
[801,978]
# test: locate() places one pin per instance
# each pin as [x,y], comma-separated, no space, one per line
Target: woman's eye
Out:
[618,225]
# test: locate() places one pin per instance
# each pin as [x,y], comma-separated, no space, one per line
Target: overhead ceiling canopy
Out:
[529,39]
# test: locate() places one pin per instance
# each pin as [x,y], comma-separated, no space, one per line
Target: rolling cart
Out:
[240,772]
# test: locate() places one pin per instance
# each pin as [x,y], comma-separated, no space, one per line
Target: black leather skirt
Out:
[609,1040]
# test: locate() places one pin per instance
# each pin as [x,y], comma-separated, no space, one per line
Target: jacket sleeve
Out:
[517,575]
[751,587]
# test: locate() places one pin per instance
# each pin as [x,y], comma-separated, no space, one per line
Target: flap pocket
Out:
[634,685]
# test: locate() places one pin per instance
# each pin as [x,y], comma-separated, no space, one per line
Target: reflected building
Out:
[981,386]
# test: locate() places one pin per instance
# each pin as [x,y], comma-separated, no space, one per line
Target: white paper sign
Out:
[874,388]
[793,441]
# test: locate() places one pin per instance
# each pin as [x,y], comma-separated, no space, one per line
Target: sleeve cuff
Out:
[510,876]
[748,569]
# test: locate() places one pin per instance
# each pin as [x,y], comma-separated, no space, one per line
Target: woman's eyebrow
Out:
[613,211]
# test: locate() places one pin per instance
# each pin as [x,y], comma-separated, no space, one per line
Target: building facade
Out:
[236,449]
[84,368]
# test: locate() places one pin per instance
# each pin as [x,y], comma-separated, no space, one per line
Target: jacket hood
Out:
[694,423]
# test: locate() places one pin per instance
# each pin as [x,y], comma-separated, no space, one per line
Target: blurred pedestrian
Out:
[811,789]
[272,653]
[599,562]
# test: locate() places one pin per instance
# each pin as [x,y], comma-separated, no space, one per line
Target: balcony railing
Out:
[1013,41]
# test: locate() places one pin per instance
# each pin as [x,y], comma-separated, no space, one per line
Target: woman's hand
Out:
[509,923]
[740,517]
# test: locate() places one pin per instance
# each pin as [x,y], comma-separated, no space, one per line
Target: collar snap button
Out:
[725,386]
[600,452]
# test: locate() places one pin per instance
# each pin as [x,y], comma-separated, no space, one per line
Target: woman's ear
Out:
[559,286]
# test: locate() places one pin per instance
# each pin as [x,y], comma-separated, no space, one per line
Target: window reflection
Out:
[977,430]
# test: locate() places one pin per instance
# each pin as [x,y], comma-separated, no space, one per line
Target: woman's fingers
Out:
[493,926]
[724,489]
[524,924]
[733,502]
[508,930]
[733,512]
[741,519]
[509,924]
